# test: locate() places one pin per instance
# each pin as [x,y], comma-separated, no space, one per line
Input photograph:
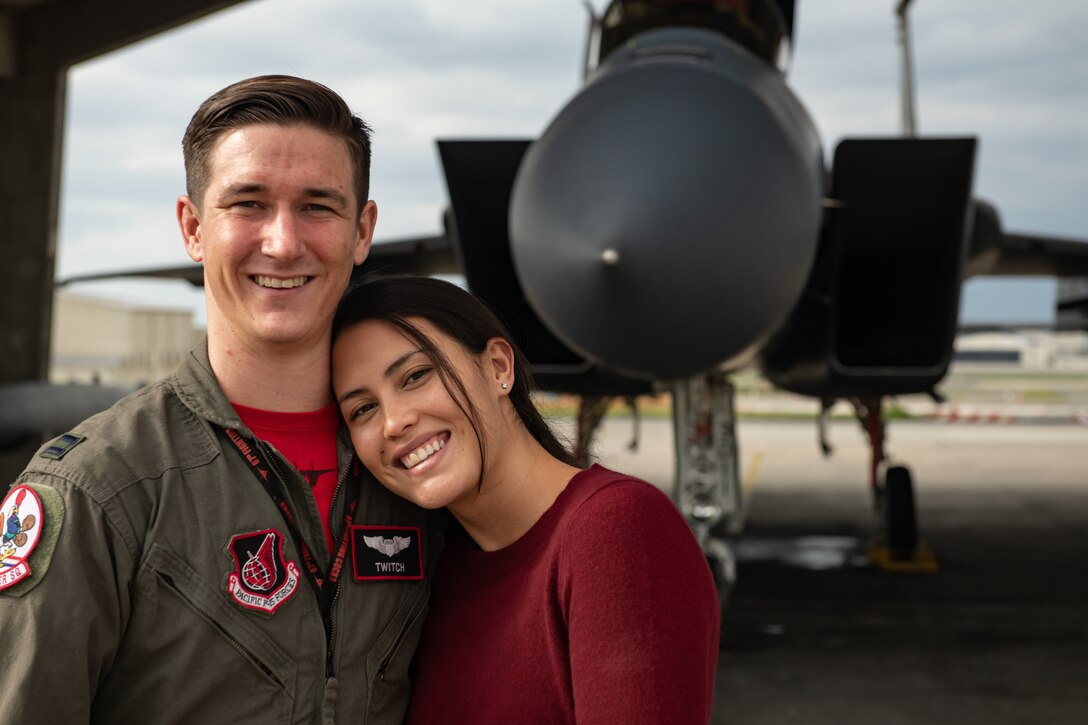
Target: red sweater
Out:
[604,611]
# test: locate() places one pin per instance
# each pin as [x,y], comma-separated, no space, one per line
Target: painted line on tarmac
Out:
[747,487]
[748,482]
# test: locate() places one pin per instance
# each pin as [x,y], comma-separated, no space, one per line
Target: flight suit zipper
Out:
[326,615]
[203,614]
[336,592]
[271,456]
[336,494]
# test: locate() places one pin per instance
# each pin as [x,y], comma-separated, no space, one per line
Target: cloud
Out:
[1011,72]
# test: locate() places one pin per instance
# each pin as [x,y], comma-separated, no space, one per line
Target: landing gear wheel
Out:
[900,524]
[723,566]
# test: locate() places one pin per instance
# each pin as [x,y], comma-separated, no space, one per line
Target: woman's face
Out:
[404,424]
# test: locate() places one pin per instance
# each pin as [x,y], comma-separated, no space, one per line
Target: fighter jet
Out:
[677,221]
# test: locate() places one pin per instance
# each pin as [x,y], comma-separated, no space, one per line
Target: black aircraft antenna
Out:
[909,118]
[593,38]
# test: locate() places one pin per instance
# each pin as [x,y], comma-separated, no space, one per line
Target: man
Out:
[182,569]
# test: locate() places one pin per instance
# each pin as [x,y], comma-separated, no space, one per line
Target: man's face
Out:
[278,231]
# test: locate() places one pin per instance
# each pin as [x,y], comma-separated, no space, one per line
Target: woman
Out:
[571,595]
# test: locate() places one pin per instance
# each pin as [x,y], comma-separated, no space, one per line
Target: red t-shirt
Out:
[308,441]
[603,612]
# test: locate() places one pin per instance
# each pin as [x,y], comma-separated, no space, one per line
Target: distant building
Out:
[116,343]
[1030,350]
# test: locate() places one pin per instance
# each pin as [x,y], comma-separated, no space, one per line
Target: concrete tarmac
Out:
[813,634]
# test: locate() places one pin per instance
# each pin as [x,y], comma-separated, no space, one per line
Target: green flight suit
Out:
[128,614]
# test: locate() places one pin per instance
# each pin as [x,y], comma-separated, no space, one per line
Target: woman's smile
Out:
[423,453]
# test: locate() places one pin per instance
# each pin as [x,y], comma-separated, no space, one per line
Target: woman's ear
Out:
[499,364]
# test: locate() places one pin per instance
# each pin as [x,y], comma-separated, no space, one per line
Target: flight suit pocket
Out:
[388,664]
[410,620]
[258,678]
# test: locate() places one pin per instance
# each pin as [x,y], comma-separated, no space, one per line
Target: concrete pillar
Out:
[39,41]
[31,120]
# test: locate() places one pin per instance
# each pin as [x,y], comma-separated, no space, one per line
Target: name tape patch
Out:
[384,553]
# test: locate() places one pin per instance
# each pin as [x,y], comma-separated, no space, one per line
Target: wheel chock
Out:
[921,560]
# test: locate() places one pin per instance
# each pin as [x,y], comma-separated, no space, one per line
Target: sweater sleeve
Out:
[641,608]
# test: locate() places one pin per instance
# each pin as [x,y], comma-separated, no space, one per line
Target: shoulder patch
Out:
[30,521]
[60,446]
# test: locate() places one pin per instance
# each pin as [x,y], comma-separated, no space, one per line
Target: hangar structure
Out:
[39,41]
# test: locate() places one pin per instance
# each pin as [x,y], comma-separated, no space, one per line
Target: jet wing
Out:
[192,273]
[994,252]
[35,407]
[425,255]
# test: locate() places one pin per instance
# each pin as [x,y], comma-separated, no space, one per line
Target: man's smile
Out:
[279,283]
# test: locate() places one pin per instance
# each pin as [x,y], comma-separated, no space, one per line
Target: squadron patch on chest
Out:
[382,553]
[262,579]
[23,521]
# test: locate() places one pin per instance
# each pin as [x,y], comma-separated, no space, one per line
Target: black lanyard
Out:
[324,584]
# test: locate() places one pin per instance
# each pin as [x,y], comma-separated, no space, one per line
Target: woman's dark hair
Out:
[463,318]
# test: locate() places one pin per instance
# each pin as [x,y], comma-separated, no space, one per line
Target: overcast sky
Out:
[1013,73]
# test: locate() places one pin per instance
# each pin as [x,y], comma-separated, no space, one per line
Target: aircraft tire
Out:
[900,523]
[723,567]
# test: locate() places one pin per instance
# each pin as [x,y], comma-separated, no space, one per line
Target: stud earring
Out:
[504,386]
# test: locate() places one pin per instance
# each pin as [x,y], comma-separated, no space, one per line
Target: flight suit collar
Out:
[197,387]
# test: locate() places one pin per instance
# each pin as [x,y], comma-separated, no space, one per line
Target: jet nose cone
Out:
[666,220]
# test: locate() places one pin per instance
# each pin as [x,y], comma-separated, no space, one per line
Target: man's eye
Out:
[246,204]
[318,207]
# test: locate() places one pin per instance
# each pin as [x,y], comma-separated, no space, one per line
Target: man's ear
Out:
[499,363]
[189,223]
[368,218]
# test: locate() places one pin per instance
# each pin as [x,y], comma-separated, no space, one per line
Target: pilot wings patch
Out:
[389,547]
[384,553]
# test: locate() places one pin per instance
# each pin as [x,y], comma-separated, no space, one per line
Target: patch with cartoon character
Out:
[262,579]
[22,513]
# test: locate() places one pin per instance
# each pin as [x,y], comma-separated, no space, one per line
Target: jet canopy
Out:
[763,27]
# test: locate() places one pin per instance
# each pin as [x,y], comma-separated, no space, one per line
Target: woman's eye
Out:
[416,375]
[363,410]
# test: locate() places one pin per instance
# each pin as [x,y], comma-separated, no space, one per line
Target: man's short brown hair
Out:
[273,99]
